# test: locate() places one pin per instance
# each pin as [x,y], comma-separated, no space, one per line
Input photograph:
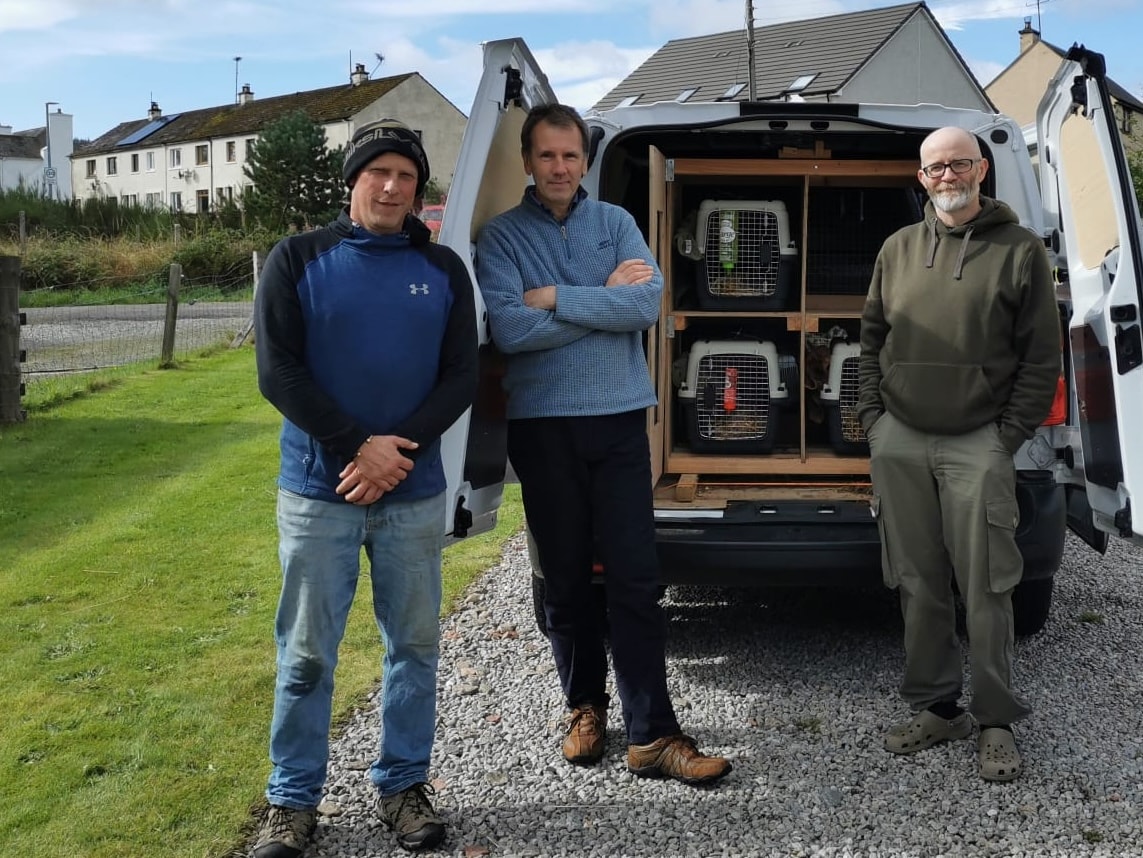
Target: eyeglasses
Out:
[959,166]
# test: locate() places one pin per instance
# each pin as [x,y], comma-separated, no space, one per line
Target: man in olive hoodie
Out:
[960,355]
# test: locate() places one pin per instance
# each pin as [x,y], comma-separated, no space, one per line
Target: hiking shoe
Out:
[925,730]
[585,734]
[410,814]
[285,832]
[675,757]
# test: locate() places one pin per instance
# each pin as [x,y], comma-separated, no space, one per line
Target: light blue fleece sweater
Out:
[586,357]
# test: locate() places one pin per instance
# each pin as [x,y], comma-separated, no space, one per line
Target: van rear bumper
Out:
[808,543]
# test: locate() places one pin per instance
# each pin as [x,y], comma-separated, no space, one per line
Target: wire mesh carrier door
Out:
[733,396]
[749,261]
[839,397]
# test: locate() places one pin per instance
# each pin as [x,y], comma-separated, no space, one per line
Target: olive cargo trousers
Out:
[946,506]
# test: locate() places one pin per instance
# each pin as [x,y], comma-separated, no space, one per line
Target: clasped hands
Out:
[378,467]
[630,272]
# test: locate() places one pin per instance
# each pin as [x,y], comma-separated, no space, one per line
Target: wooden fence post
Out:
[241,336]
[11,387]
[23,233]
[167,358]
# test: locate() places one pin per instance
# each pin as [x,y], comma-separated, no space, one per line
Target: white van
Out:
[765,219]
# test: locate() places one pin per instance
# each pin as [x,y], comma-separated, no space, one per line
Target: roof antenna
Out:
[750,46]
[380,59]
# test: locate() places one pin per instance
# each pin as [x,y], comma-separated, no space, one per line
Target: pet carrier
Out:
[732,396]
[839,396]
[749,260]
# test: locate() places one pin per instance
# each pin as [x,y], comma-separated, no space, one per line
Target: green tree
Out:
[1135,162]
[296,179]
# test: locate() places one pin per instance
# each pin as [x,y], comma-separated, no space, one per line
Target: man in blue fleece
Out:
[366,342]
[570,286]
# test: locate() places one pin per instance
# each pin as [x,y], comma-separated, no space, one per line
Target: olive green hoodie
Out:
[961,328]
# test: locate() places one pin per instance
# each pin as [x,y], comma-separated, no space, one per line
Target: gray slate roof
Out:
[330,104]
[835,47]
[22,144]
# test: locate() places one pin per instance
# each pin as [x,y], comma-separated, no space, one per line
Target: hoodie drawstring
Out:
[963,250]
[933,240]
[932,243]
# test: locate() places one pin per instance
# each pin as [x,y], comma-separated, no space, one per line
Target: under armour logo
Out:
[414,289]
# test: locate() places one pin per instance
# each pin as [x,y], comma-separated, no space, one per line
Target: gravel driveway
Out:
[796,687]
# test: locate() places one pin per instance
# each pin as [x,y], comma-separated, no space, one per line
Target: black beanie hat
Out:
[377,138]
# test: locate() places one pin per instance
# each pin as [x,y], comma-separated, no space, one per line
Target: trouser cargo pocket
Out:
[888,575]
[1005,564]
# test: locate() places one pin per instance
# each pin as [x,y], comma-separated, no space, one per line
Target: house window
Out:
[202,201]
[225,195]
[231,152]
[91,168]
[686,94]
[112,166]
[201,154]
[129,200]
[150,162]
[732,91]
[176,159]
[154,200]
[1124,119]
[176,201]
[249,147]
[135,163]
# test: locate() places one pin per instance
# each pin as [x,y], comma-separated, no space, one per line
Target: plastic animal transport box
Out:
[839,397]
[749,260]
[732,396]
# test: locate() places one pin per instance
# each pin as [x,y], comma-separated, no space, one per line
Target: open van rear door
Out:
[488,179]
[1089,200]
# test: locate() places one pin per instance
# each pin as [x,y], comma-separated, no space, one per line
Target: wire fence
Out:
[91,335]
[155,324]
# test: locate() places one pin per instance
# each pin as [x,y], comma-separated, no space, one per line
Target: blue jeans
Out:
[320,548]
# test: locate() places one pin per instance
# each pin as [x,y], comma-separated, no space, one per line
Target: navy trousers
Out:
[586,485]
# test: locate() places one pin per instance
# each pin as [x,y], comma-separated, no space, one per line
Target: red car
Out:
[432,216]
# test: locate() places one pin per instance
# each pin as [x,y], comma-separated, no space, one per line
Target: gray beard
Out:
[952,201]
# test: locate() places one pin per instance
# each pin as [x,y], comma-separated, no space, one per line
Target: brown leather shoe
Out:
[675,757]
[586,734]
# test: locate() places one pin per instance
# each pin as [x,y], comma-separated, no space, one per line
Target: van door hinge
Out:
[670,166]
[1123,521]
[513,86]
[461,519]
[1128,346]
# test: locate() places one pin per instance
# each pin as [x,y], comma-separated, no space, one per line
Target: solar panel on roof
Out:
[147,130]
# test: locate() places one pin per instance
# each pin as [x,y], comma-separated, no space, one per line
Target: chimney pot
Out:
[154,112]
[359,75]
[1028,36]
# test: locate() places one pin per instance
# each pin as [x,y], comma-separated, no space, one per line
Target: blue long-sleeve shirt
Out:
[586,357]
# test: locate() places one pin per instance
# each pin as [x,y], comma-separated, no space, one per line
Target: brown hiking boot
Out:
[585,729]
[675,757]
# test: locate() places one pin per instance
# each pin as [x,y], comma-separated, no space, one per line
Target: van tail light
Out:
[730,390]
[1058,414]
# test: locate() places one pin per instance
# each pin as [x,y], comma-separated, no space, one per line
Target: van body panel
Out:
[795,508]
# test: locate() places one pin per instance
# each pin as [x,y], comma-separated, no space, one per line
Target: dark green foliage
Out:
[1135,161]
[433,194]
[97,217]
[219,256]
[296,179]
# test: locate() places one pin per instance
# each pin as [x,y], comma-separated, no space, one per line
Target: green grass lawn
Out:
[138,582]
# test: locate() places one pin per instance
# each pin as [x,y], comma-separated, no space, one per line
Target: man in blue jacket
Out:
[366,342]
[570,287]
